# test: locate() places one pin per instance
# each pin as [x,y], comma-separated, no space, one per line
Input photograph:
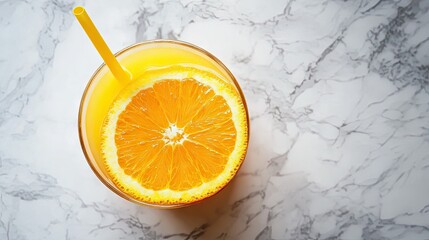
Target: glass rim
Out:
[88,158]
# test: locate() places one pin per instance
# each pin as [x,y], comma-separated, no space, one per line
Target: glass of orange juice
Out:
[172,135]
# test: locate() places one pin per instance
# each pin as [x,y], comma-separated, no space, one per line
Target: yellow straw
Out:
[85,21]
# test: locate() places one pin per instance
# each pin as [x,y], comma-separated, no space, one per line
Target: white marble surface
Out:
[338,93]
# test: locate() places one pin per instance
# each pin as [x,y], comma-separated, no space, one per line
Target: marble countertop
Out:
[338,94]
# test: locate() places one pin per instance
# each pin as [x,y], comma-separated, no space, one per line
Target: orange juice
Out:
[103,90]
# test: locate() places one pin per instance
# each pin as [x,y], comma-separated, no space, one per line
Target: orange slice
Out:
[176,136]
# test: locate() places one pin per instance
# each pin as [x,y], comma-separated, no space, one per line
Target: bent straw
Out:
[112,63]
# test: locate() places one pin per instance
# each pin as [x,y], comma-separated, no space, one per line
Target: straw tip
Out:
[78,10]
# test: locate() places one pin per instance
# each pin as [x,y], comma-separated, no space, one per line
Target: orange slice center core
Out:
[174,135]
